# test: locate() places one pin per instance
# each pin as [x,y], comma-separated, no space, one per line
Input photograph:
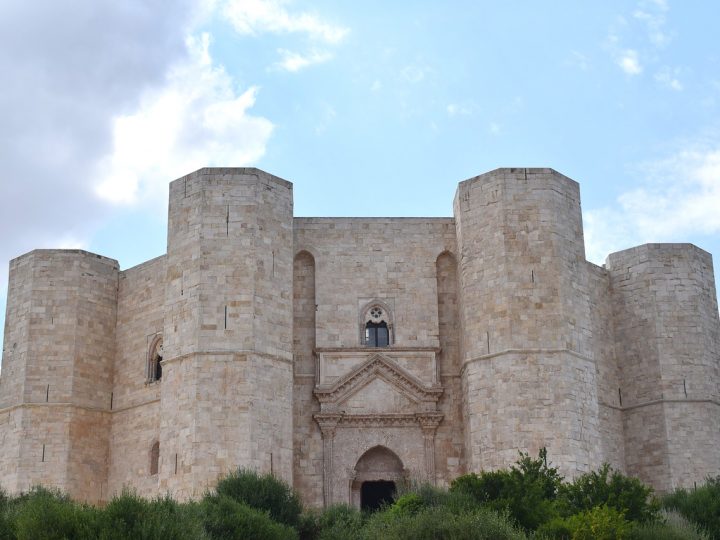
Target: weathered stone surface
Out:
[502,338]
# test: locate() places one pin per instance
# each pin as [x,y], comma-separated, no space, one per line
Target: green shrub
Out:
[263,493]
[410,504]
[672,526]
[613,489]
[701,505]
[557,528]
[130,516]
[341,522]
[7,531]
[438,523]
[527,491]
[599,523]
[308,527]
[227,519]
[123,516]
[45,514]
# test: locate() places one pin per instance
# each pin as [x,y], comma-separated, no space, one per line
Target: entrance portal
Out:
[376,494]
[375,478]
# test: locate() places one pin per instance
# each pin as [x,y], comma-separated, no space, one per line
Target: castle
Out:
[345,354]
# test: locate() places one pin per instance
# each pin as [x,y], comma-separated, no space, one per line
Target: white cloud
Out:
[259,16]
[376,86]
[294,61]
[646,30]
[196,119]
[668,77]
[460,109]
[680,197]
[629,62]
[414,73]
[494,128]
[68,68]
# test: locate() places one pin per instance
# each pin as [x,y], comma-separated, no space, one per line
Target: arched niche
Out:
[375,478]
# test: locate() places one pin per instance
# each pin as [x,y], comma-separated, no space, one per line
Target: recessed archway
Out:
[376,475]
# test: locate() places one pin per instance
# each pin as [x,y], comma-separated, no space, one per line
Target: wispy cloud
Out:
[646,29]
[461,109]
[294,61]
[260,16]
[579,60]
[652,13]
[326,118]
[197,119]
[669,78]
[414,73]
[629,62]
[680,196]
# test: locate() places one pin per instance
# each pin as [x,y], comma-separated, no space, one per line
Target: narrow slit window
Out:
[154,458]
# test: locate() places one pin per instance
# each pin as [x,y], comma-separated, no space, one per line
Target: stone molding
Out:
[377,366]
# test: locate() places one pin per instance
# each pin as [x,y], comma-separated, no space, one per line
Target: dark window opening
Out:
[377,334]
[375,495]
[157,369]
[154,458]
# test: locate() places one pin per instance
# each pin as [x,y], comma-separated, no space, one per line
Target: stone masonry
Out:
[342,354]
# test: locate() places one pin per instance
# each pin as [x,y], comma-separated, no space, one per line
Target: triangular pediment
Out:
[383,377]
[378,396]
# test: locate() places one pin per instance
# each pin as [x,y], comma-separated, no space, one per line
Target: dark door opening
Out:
[374,495]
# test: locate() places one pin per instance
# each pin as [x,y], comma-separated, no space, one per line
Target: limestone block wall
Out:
[61,348]
[358,260]
[307,439]
[407,264]
[11,435]
[449,439]
[600,343]
[667,332]
[136,402]
[228,303]
[17,326]
[519,234]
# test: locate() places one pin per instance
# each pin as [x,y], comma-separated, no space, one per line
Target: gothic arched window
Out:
[376,326]
[154,360]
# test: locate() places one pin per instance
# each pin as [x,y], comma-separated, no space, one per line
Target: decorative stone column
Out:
[429,423]
[327,423]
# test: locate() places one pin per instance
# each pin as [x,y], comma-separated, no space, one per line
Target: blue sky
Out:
[369,108]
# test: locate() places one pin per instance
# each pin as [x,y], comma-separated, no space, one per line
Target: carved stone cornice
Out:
[331,421]
[378,366]
[429,420]
[327,422]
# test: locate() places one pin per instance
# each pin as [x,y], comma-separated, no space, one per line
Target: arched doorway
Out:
[376,475]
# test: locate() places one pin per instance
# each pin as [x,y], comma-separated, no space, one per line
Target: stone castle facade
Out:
[343,354]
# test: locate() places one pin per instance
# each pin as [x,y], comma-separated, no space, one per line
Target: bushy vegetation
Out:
[529,500]
[262,493]
[527,491]
[700,505]
[612,489]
